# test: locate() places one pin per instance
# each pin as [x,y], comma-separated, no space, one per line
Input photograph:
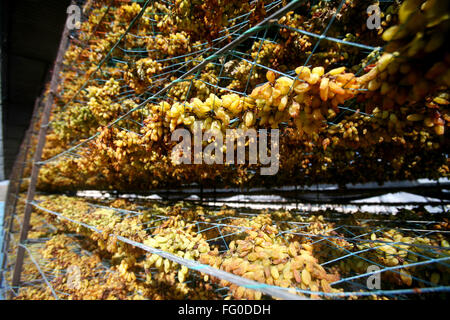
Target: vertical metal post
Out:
[37,156]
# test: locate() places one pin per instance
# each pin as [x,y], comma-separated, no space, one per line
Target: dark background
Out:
[30,34]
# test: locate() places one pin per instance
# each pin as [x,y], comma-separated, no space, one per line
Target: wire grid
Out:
[314,197]
[22,164]
[131,120]
[47,274]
